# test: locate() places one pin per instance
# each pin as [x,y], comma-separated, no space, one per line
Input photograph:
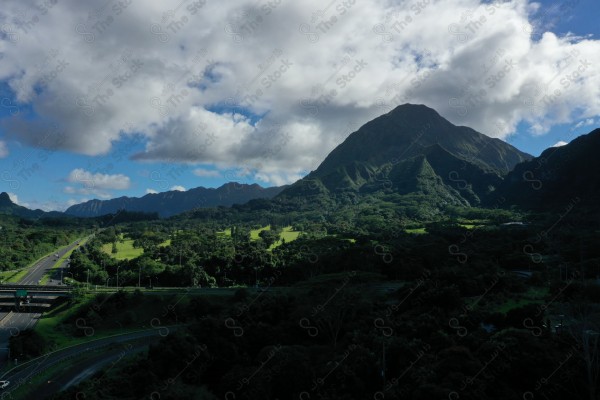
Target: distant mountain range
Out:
[10,208]
[410,150]
[170,203]
[413,149]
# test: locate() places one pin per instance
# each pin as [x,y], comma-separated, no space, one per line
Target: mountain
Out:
[170,203]
[560,178]
[412,149]
[10,208]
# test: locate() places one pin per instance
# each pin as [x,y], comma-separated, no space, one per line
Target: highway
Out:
[130,343]
[12,323]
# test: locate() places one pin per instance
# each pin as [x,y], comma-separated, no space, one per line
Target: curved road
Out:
[23,374]
[84,369]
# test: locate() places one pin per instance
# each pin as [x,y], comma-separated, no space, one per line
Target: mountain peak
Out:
[409,128]
[5,200]
[414,109]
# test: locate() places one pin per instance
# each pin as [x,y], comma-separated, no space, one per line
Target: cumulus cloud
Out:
[95,184]
[206,173]
[271,88]
[151,191]
[560,143]
[178,188]
[98,180]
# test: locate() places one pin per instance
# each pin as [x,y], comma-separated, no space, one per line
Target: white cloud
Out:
[95,184]
[560,143]
[3,149]
[586,122]
[13,197]
[151,191]
[98,180]
[194,88]
[178,188]
[206,173]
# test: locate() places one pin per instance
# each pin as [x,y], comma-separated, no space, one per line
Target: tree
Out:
[269,237]
[585,331]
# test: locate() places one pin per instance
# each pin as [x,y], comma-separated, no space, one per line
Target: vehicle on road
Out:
[4,384]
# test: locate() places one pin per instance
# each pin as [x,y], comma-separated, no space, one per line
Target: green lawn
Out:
[125,250]
[416,231]
[13,276]
[255,232]
[286,233]
[226,232]
[469,226]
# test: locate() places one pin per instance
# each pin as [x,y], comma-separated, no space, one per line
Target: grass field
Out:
[255,232]
[416,231]
[286,233]
[469,226]
[226,232]
[125,250]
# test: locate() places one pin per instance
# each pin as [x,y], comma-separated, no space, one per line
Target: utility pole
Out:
[88,279]
[118,277]
[139,276]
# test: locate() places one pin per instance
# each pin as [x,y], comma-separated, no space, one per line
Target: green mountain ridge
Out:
[560,176]
[9,208]
[412,149]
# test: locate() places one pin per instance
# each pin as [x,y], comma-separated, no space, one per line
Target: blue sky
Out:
[139,100]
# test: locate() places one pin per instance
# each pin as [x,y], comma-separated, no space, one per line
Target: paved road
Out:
[24,374]
[104,359]
[11,323]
